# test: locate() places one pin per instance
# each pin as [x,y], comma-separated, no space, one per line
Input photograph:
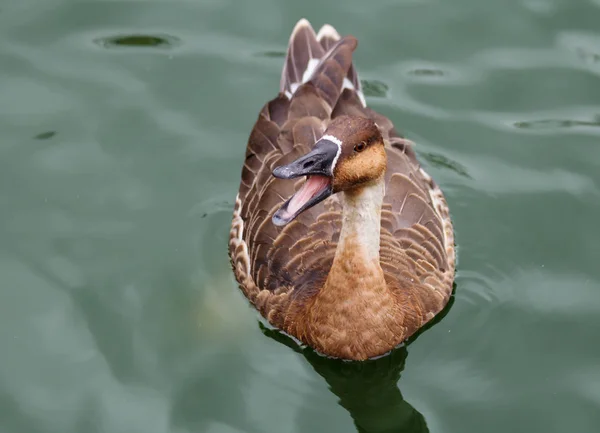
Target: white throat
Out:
[361,219]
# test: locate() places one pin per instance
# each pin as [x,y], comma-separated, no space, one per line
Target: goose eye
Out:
[360,146]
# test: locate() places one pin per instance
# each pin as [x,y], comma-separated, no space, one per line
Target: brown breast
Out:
[354,315]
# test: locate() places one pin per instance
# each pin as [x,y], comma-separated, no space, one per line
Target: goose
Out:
[339,238]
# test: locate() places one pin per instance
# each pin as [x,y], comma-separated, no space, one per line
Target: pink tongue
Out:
[311,187]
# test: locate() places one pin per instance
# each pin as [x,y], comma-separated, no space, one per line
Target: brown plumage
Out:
[367,296]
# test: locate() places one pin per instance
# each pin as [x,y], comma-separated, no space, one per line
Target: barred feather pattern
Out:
[280,269]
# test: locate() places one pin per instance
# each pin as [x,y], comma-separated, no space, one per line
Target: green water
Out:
[122,132]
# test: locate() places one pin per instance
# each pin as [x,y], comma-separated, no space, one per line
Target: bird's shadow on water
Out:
[368,390]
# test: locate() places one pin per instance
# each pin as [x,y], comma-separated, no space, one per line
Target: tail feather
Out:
[327,37]
[309,52]
[303,53]
[330,74]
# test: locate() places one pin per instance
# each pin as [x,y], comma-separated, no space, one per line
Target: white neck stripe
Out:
[339,150]
[332,138]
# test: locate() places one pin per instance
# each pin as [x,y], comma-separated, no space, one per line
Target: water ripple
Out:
[126,41]
[271,54]
[583,44]
[557,123]
[440,161]
[427,72]
[45,135]
[583,120]
[498,177]
[374,88]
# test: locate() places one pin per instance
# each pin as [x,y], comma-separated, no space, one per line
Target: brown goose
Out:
[339,238]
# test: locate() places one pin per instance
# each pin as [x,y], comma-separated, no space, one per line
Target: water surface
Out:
[122,132]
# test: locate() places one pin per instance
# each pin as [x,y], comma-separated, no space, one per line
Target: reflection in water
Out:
[374,88]
[368,390]
[139,40]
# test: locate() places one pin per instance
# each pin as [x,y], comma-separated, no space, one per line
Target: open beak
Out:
[317,166]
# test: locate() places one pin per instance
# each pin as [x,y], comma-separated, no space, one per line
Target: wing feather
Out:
[318,84]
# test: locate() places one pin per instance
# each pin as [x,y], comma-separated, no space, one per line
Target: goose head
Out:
[348,156]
